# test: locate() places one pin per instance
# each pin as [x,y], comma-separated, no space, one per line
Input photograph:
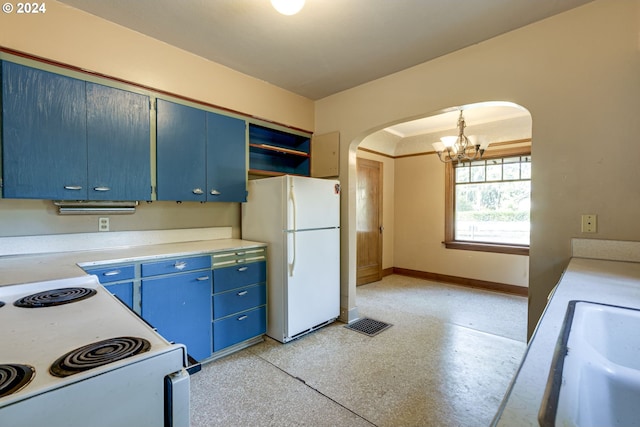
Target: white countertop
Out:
[20,269]
[595,280]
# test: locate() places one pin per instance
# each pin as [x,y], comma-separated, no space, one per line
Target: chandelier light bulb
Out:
[449,141]
[460,148]
[288,7]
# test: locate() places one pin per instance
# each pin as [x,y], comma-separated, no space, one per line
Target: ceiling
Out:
[331,45]
[474,115]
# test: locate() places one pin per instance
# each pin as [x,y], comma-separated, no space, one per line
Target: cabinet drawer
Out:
[113,274]
[239,327]
[240,256]
[175,265]
[228,278]
[238,300]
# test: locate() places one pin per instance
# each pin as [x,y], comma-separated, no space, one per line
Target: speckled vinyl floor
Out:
[446,361]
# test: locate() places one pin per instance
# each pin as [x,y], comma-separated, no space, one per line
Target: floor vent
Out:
[368,326]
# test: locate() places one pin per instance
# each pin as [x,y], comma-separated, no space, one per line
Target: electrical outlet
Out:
[103,224]
[589,223]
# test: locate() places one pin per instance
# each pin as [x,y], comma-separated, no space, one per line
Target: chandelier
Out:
[459,148]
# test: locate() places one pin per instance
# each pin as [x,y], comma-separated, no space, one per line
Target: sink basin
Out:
[595,374]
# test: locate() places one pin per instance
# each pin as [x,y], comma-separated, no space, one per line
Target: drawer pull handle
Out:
[243,268]
[112,273]
[215,193]
[202,278]
[197,191]
[102,188]
[73,187]
[242,293]
[241,318]
[240,253]
[240,261]
[180,265]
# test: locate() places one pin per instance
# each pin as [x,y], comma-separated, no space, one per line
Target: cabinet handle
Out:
[243,268]
[180,265]
[102,188]
[242,293]
[73,187]
[197,191]
[240,261]
[112,273]
[240,253]
[215,193]
[202,278]
[242,317]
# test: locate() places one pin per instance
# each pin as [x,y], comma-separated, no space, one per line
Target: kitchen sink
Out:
[594,378]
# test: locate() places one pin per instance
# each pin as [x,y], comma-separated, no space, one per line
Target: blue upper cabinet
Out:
[201,156]
[43,134]
[181,153]
[226,159]
[67,139]
[118,141]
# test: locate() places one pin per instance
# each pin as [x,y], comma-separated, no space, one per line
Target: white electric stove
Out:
[72,355]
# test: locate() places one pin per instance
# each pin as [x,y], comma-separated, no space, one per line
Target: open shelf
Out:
[274,152]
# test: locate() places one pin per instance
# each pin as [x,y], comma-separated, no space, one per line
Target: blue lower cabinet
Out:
[179,307]
[124,292]
[237,300]
[239,327]
[232,277]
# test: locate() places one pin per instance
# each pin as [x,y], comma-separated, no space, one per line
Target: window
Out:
[488,203]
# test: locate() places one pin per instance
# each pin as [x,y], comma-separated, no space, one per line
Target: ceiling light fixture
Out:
[459,148]
[288,7]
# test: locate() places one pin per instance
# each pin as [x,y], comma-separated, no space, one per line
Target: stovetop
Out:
[42,329]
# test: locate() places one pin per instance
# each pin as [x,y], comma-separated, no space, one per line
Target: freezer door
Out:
[312,203]
[313,279]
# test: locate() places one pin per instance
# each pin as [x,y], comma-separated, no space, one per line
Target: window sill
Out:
[488,247]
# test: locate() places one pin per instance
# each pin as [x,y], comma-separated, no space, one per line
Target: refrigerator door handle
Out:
[292,196]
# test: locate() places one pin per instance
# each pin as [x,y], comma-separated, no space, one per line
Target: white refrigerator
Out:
[299,219]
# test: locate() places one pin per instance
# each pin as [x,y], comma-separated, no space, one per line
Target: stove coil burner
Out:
[14,377]
[98,354]
[54,297]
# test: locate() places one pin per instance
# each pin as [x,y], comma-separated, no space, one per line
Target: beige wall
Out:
[578,75]
[73,37]
[419,213]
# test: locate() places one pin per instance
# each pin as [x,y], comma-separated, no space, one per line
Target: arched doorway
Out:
[413,180]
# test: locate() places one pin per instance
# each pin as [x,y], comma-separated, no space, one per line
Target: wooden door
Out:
[369,221]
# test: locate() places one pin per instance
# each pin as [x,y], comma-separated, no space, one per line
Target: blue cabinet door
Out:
[179,307]
[226,159]
[239,327]
[118,142]
[124,292]
[181,153]
[43,134]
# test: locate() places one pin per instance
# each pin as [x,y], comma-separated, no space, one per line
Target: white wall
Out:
[577,74]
